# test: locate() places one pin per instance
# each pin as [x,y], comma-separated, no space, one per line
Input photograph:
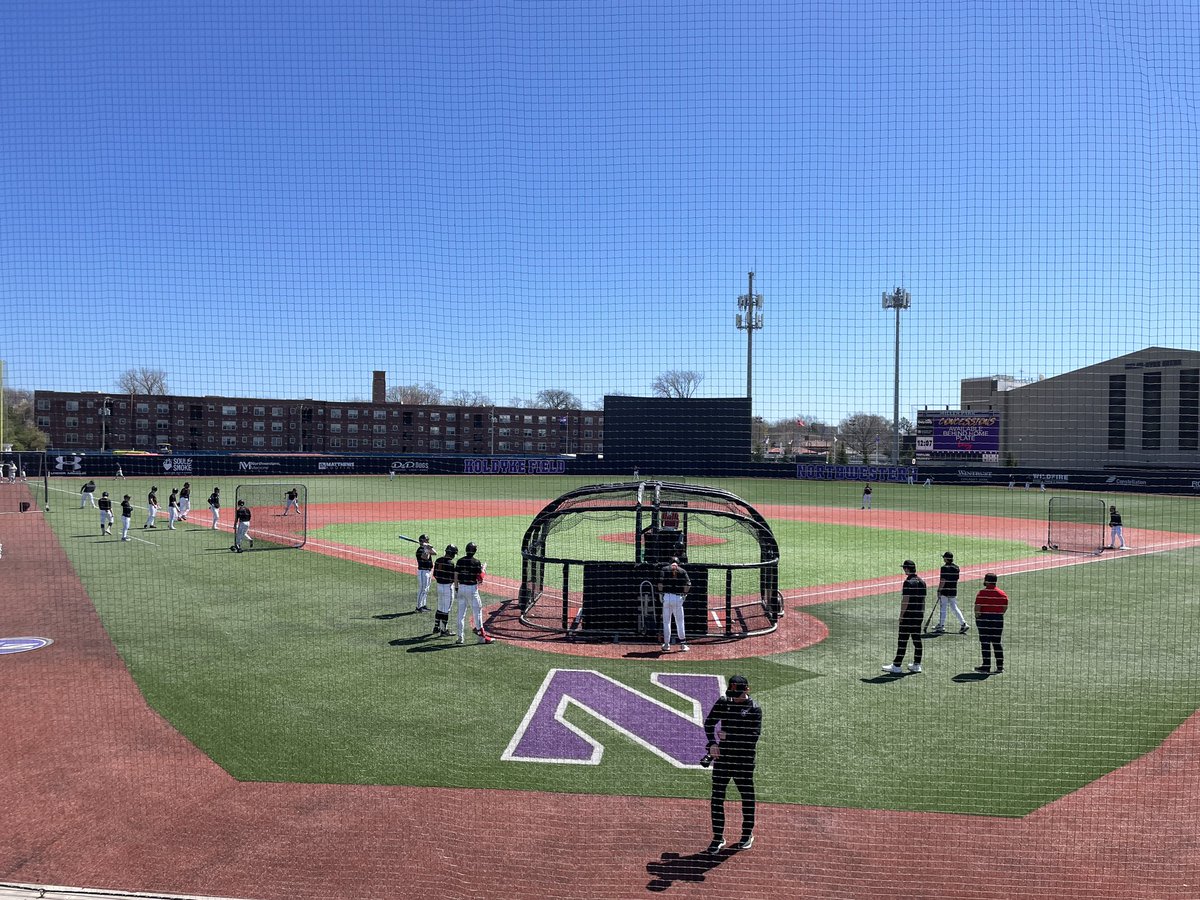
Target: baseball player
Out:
[214,505]
[948,595]
[11,468]
[185,501]
[292,501]
[673,586]
[424,571]
[126,517]
[443,574]
[912,612]
[120,474]
[1118,531]
[866,501]
[106,514]
[469,572]
[172,509]
[241,529]
[87,493]
[151,507]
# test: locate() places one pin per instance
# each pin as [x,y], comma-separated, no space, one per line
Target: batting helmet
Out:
[471,548]
[947,555]
[423,538]
[451,550]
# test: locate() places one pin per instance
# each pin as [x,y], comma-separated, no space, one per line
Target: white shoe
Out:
[915,668]
[684,647]
[666,648]
[893,669]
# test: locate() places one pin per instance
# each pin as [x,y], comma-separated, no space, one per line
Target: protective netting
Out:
[897,275]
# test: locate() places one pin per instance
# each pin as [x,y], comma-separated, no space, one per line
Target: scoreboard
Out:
[955,434]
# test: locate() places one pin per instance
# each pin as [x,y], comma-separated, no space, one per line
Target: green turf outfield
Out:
[288,665]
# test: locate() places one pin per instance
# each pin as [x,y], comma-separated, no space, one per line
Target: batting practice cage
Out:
[486,311]
[592,560]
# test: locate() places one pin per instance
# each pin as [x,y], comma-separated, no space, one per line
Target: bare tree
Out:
[555,398]
[151,382]
[469,398]
[676,383]
[518,402]
[864,434]
[415,394]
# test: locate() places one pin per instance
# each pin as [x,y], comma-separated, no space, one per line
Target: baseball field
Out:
[309,668]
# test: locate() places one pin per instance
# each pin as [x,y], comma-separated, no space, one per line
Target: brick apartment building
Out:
[81,421]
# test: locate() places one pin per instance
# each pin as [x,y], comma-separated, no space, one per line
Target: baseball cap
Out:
[739,681]
[947,555]
[908,564]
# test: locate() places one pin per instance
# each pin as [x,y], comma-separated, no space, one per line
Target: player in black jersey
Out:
[106,515]
[424,571]
[948,595]
[443,574]
[241,527]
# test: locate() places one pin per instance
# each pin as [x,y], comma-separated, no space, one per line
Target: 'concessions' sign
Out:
[958,432]
[502,465]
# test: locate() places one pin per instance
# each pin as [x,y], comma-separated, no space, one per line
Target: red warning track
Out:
[100,791]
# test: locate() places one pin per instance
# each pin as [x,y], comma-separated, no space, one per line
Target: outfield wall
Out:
[214,465]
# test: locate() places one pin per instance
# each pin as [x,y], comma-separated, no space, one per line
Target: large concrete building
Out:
[78,421]
[1140,411]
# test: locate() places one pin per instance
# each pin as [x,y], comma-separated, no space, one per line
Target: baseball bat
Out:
[405,537]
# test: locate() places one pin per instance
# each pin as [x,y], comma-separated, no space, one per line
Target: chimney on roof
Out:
[378,387]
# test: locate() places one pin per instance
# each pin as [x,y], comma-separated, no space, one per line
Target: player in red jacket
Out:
[991,604]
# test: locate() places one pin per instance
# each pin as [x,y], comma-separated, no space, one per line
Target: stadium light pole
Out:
[898,299]
[750,321]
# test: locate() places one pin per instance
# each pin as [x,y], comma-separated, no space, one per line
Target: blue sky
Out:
[275,199]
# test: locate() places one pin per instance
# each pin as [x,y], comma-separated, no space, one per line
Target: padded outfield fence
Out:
[591,285]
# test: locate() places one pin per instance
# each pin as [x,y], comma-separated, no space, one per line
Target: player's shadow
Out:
[886,678]
[432,648]
[968,677]
[670,868]
[396,615]
[411,641]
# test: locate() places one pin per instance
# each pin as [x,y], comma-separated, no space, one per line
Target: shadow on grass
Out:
[887,678]
[670,868]
[968,677]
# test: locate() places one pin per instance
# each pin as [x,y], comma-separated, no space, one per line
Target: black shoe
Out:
[436,630]
[715,847]
[745,843]
[983,670]
[999,670]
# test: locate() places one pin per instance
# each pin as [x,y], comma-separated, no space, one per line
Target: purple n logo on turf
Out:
[545,735]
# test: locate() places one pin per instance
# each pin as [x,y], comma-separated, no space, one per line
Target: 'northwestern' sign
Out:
[545,735]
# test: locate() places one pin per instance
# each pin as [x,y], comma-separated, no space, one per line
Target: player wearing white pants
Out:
[185,501]
[172,510]
[87,493]
[948,595]
[126,517]
[292,499]
[424,571]
[469,572]
[673,586]
[106,514]
[214,506]
[443,574]
[241,528]
[151,507]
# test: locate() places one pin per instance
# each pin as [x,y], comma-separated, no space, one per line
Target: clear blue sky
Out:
[277,198]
